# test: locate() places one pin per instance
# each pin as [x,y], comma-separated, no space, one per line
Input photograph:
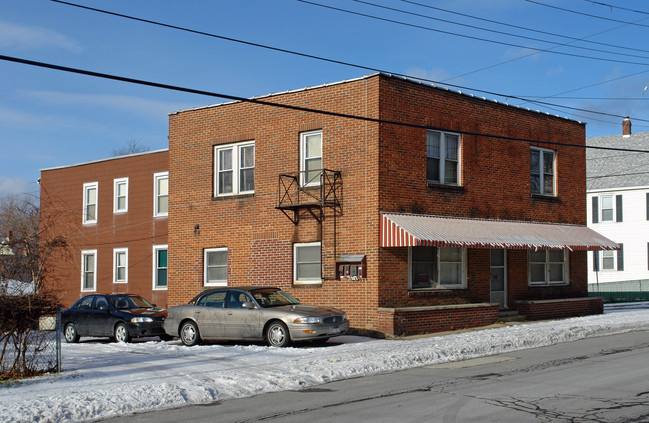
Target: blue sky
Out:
[50,118]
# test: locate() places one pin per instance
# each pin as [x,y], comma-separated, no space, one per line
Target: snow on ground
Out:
[102,379]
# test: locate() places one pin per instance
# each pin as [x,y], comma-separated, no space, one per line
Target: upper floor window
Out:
[90,202]
[310,158]
[161,194]
[120,265]
[607,208]
[216,266]
[542,171]
[160,267]
[442,157]
[548,267]
[89,270]
[234,171]
[307,262]
[437,268]
[120,194]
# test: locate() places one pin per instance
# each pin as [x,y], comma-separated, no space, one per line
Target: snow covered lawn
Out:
[102,379]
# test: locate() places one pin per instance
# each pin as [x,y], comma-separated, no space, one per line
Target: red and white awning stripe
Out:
[409,230]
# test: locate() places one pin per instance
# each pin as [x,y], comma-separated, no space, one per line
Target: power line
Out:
[310,56]
[522,27]
[455,34]
[493,30]
[617,7]
[586,14]
[291,107]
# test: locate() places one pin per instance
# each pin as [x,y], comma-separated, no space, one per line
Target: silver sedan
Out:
[255,314]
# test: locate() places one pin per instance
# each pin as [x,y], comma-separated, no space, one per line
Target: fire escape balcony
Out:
[298,198]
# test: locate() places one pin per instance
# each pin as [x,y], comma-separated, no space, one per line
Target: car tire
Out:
[189,334]
[277,334]
[121,333]
[70,333]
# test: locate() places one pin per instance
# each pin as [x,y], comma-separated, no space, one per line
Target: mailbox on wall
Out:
[352,267]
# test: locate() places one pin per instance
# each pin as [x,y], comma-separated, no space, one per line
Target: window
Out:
[120,265]
[120,194]
[90,202]
[548,267]
[310,158]
[234,169]
[607,208]
[307,263]
[609,260]
[436,268]
[216,266]
[161,194]
[542,170]
[442,157]
[159,267]
[89,270]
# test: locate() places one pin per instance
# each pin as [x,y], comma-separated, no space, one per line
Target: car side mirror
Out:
[248,305]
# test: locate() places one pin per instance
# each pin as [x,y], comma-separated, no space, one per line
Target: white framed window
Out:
[436,268]
[443,157]
[90,202]
[120,195]
[120,265]
[160,267]
[216,266]
[234,169]
[88,270]
[609,261]
[542,171]
[548,267]
[307,263]
[161,194]
[310,158]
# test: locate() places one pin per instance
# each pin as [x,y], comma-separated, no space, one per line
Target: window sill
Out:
[424,291]
[547,285]
[546,198]
[232,196]
[305,284]
[445,187]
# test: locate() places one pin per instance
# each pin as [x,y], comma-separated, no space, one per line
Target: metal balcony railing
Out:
[309,192]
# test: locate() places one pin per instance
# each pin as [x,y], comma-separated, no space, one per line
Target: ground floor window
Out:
[89,270]
[548,267]
[436,268]
[307,262]
[159,267]
[216,266]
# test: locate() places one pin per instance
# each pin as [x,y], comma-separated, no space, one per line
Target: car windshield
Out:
[129,301]
[268,297]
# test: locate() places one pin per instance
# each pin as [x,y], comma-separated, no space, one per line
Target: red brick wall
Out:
[553,309]
[404,322]
[137,229]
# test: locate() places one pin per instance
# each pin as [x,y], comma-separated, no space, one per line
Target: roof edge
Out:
[104,160]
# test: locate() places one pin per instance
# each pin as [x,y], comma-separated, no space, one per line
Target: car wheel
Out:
[277,335]
[70,333]
[189,334]
[121,333]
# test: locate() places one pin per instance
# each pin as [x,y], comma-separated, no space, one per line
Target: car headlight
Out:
[306,319]
[141,320]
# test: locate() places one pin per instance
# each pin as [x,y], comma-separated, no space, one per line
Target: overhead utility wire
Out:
[290,107]
[419,15]
[310,56]
[612,6]
[585,14]
[522,27]
[471,37]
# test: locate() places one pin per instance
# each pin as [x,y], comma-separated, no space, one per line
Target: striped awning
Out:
[409,230]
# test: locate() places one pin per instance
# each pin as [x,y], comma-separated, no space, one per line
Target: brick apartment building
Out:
[113,213]
[427,226]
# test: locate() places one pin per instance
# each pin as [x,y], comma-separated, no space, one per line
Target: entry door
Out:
[499,277]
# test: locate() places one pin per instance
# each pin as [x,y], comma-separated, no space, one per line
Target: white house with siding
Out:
[618,208]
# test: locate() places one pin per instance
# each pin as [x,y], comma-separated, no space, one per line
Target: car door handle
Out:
[229,313]
[197,312]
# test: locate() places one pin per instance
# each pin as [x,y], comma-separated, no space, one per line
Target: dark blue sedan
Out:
[117,316]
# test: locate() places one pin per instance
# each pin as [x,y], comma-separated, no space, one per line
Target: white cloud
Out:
[133,105]
[558,70]
[15,118]
[28,37]
[10,186]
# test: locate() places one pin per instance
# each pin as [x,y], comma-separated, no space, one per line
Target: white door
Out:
[499,277]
